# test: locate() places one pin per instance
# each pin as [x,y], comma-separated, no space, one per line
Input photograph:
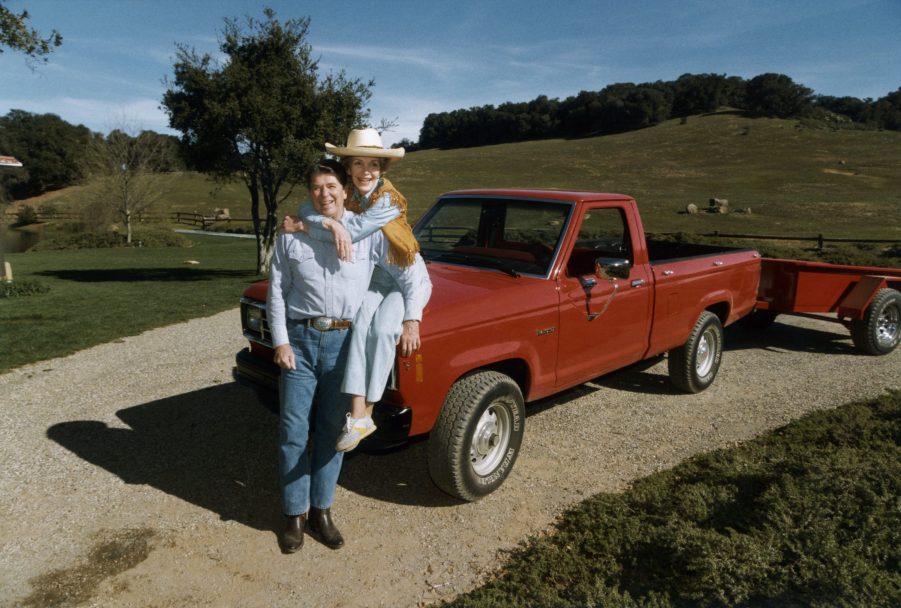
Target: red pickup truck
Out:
[536,291]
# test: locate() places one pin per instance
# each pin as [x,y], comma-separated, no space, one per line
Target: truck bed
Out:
[669,251]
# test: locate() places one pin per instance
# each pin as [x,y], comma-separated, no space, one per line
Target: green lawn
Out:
[807,515]
[99,295]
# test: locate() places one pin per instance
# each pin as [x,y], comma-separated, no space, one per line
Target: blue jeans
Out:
[373,341]
[308,464]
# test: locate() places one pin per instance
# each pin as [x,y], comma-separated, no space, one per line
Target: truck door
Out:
[604,320]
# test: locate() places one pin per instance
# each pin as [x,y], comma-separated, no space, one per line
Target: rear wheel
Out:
[478,435]
[880,330]
[693,366]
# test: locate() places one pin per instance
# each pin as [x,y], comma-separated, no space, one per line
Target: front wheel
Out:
[478,435]
[693,366]
[880,330]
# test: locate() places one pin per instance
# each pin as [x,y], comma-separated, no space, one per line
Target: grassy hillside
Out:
[844,183]
[795,179]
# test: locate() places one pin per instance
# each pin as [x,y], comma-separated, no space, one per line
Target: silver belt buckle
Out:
[322,323]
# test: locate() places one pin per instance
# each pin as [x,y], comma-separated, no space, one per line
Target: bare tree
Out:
[125,176]
[385,125]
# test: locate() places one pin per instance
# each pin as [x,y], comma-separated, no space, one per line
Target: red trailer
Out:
[867,300]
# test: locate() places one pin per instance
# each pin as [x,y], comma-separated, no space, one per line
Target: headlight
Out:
[254,319]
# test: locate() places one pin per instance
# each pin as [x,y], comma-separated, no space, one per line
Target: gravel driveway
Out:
[136,473]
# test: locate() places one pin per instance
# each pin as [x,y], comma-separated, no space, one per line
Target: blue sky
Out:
[428,56]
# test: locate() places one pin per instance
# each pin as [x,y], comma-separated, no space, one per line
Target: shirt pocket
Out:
[299,257]
[361,265]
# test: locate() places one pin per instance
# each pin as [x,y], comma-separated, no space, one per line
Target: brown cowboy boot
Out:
[291,538]
[322,528]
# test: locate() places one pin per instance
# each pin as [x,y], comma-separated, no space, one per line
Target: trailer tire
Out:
[879,332]
[693,366]
[477,437]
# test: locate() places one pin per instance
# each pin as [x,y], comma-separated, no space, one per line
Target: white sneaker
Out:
[355,430]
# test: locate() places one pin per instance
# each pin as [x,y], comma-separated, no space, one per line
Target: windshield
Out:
[511,235]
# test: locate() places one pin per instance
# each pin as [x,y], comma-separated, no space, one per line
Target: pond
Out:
[17,241]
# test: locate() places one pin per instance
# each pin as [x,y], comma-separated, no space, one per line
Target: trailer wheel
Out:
[478,435]
[693,366]
[880,330]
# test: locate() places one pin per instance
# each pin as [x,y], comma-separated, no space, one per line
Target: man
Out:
[312,298]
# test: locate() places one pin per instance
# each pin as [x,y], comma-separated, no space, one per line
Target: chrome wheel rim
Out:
[888,325]
[706,353]
[491,438]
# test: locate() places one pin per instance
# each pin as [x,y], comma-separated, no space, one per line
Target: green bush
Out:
[26,287]
[143,236]
[804,516]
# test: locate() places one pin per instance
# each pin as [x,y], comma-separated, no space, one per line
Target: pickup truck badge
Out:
[545,332]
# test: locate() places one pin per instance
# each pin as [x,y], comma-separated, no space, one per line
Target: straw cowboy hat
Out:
[365,142]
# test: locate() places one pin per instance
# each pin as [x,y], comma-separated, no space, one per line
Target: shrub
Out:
[27,215]
[806,515]
[144,236]
[26,287]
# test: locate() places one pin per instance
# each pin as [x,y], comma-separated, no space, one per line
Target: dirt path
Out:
[137,473]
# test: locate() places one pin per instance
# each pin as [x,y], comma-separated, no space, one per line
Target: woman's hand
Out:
[343,242]
[284,356]
[409,338]
[293,224]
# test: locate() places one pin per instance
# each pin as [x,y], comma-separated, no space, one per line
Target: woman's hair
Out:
[384,163]
[328,166]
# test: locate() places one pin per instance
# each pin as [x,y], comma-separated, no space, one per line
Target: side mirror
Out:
[612,268]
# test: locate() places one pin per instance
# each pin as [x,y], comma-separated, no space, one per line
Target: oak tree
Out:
[262,114]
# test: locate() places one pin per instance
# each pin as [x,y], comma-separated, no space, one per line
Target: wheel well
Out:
[721,310]
[515,368]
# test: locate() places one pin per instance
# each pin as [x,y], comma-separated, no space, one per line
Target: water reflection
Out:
[17,241]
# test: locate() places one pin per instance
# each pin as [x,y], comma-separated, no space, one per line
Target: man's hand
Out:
[284,356]
[292,224]
[342,240]
[409,339]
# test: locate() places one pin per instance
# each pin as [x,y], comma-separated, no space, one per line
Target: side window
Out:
[603,233]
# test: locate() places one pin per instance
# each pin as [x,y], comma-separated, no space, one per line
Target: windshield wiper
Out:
[450,256]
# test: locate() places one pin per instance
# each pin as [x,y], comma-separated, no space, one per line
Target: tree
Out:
[263,115]
[127,178]
[777,95]
[15,34]
[50,150]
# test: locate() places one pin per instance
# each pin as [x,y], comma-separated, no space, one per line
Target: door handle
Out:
[637,282]
[668,273]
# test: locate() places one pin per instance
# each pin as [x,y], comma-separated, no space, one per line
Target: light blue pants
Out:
[309,473]
[373,340]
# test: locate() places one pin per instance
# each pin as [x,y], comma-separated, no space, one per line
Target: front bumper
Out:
[393,422]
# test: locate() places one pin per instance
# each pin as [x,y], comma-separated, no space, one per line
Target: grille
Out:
[262,335]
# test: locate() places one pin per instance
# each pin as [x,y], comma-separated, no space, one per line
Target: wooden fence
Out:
[820,239]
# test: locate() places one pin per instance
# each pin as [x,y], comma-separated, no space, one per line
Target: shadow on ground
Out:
[215,448]
[785,337]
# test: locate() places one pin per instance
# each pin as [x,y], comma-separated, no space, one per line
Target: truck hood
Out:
[460,292]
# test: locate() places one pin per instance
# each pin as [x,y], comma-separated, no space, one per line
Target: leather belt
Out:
[326,323]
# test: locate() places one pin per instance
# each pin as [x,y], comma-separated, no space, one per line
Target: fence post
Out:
[819,242]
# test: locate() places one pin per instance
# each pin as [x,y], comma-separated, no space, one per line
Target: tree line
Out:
[56,154]
[626,106]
